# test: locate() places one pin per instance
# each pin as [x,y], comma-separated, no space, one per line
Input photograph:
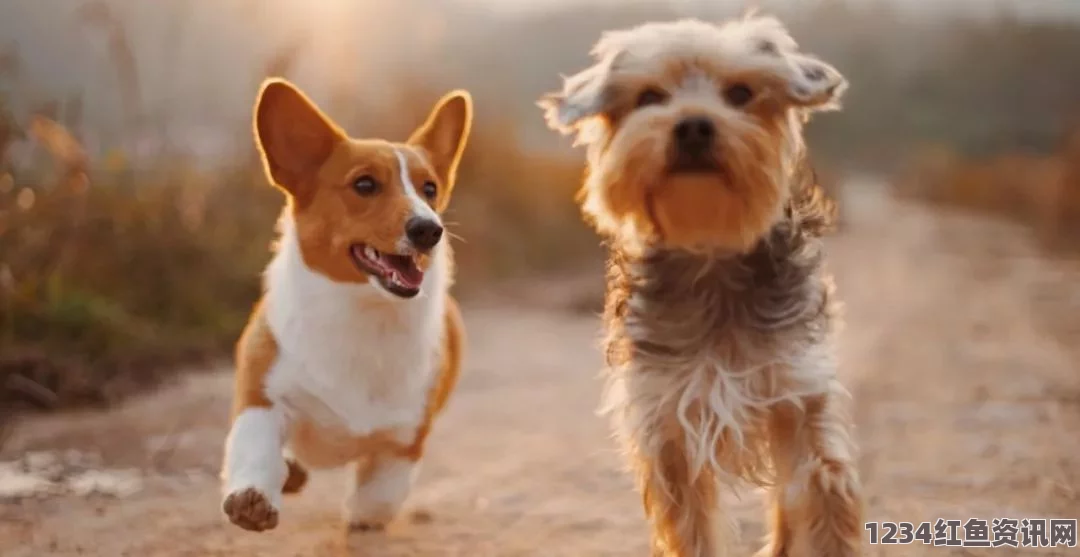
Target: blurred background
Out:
[135,221]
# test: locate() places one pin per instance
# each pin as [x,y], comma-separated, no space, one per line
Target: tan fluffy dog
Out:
[720,315]
[356,345]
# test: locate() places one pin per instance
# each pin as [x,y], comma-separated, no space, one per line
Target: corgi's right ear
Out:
[294,137]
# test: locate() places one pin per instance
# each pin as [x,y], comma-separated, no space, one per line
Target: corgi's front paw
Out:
[379,490]
[369,516]
[250,509]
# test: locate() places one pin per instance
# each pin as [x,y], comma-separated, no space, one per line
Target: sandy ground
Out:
[961,351]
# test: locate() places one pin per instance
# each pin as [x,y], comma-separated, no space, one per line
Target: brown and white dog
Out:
[356,344]
[720,315]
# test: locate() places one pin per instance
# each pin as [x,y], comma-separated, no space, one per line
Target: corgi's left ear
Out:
[444,135]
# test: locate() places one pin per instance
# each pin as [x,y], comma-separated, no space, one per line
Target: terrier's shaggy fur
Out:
[720,314]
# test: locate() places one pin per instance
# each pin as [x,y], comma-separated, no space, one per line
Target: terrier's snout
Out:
[424,233]
[694,135]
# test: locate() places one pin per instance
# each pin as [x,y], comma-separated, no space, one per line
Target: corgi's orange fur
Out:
[356,345]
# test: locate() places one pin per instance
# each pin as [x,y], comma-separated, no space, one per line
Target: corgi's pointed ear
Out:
[294,137]
[445,133]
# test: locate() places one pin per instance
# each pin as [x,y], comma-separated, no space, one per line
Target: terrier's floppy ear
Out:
[582,97]
[586,93]
[806,81]
[814,84]
[445,133]
[293,136]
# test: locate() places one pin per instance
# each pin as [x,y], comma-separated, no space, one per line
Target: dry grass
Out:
[112,273]
[1042,191]
[112,276]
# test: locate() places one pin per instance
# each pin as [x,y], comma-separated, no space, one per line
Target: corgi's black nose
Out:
[424,233]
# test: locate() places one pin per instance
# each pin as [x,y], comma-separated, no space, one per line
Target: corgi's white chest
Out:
[365,380]
[350,358]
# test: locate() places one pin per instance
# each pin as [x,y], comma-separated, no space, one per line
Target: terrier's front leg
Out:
[254,470]
[817,502]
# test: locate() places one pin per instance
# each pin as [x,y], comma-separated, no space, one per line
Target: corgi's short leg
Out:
[379,486]
[297,476]
[381,482]
[255,471]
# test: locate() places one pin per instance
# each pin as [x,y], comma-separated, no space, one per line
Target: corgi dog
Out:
[356,344]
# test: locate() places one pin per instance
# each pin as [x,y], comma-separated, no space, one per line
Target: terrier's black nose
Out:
[695,134]
[424,233]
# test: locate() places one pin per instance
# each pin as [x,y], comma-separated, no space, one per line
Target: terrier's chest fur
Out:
[668,309]
[668,305]
[351,360]
[719,340]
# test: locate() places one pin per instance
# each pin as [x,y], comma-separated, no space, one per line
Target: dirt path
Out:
[967,400]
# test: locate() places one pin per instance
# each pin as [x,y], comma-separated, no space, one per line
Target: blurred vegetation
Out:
[116,269]
[113,273]
[1039,190]
[110,272]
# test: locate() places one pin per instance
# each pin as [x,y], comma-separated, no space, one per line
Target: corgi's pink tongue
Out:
[408,274]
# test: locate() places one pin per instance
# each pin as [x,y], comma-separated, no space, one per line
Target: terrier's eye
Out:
[739,94]
[650,97]
[365,185]
[430,189]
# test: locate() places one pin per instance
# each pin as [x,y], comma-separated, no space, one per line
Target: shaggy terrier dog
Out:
[720,315]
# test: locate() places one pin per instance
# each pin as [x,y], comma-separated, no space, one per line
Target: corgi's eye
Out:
[430,189]
[365,185]
[739,94]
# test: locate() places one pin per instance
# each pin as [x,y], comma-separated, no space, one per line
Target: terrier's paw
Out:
[249,509]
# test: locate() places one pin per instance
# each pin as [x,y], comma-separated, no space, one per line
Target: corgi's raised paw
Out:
[251,510]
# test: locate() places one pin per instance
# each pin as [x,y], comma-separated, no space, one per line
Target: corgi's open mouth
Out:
[398,274]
